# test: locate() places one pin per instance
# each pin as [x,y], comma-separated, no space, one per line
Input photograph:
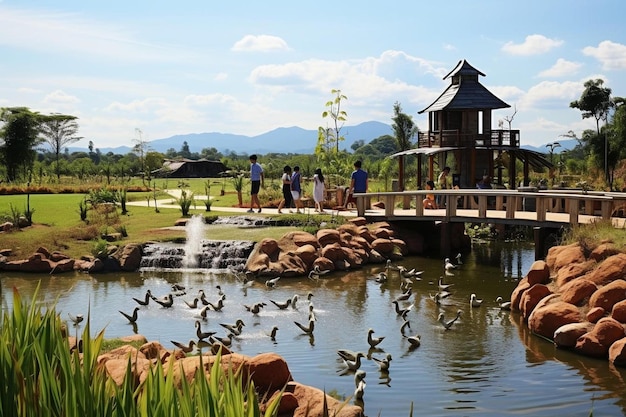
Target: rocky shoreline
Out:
[577,298]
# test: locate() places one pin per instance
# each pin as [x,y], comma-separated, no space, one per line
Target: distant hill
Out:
[566,145]
[284,140]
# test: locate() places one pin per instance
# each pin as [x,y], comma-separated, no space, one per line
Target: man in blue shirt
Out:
[358,181]
[256,179]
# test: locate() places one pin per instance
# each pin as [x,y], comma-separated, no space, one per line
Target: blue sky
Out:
[248,67]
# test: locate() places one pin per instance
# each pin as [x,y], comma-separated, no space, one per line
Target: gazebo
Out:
[459,123]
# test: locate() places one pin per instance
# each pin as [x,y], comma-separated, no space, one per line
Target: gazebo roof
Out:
[466,92]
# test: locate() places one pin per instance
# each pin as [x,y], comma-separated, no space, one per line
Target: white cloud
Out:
[260,43]
[561,68]
[221,76]
[612,55]
[551,94]
[60,97]
[138,106]
[533,45]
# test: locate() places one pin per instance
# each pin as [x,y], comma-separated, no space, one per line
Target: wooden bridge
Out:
[543,208]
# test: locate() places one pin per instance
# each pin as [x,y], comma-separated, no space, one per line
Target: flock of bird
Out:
[350,360]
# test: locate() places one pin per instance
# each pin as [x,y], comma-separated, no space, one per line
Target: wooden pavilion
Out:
[459,123]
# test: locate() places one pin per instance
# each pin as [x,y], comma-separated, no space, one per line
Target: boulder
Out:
[567,335]
[577,291]
[328,236]
[152,350]
[129,257]
[539,273]
[324,264]
[560,256]
[300,238]
[383,246]
[545,320]
[366,234]
[289,265]
[572,271]
[308,254]
[334,252]
[269,371]
[258,262]
[311,403]
[64,265]
[269,247]
[58,256]
[617,352]
[608,295]
[612,268]
[531,298]
[596,343]
[518,292]
[595,314]
[619,311]
[382,233]
[603,251]
[358,221]
[402,247]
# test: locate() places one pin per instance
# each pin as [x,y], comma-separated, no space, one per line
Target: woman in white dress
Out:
[318,190]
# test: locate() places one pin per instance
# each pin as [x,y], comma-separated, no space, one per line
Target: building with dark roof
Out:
[189,168]
[459,124]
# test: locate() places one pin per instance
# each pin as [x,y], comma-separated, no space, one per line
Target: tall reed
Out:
[41,376]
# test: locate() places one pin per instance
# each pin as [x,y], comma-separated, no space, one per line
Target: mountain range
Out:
[281,140]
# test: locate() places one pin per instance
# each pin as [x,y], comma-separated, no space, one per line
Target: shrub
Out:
[185,201]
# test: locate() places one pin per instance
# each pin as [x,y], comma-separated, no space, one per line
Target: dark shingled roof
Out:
[467,94]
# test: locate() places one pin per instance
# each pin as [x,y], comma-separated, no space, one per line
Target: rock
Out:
[328,237]
[539,273]
[117,369]
[518,292]
[378,205]
[269,371]
[268,247]
[596,343]
[619,311]
[608,295]
[324,264]
[545,320]
[64,265]
[349,228]
[402,247]
[603,251]
[37,263]
[577,291]
[181,222]
[382,233]
[567,335]
[612,268]
[5,251]
[152,350]
[560,256]
[376,257]
[572,271]
[531,298]
[366,234]
[258,263]
[334,252]
[289,265]
[383,246]
[595,314]
[308,254]
[6,227]
[58,256]
[358,221]
[44,251]
[617,352]
[311,401]
[130,257]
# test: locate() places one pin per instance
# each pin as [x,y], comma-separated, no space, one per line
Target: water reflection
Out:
[486,364]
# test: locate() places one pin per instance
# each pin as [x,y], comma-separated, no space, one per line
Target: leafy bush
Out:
[100,249]
[102,195]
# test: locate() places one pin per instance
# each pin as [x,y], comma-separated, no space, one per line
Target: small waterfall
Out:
[214,254]
[193,244]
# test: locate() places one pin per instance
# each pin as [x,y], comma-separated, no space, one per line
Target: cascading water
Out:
[197,253]
[193,244]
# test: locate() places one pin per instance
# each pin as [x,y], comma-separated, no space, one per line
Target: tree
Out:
[59,130]
[18,138]
[595,101]
[140,148]
[404,129]
[330,137]
[184,151]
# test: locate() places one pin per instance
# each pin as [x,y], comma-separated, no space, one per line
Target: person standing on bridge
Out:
[443,184]
[359,182]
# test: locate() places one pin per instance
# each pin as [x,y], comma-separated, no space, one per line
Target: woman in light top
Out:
[318,190]
[287,197]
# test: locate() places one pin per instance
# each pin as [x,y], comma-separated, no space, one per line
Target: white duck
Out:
[373,341]
[504,305]
[448,324]
[475,302]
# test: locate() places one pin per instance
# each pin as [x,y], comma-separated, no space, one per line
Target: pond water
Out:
[486,364]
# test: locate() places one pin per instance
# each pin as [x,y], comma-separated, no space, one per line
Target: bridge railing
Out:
[500,204]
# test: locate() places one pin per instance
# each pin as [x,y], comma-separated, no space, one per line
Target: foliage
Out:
[18,138]
[121,197]
[185,201]
[589,236]
[329,137]
[59,130]
[82,209]
[101,196]
[100,249]
[42,376]
[404,129]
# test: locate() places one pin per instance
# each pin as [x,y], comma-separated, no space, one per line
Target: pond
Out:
[486,364]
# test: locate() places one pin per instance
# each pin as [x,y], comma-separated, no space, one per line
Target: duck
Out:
[234,329]
[294,300]
[217,306]
[192,304]
[458,259]
[316,272]
[355,364]
[202,335]
[226,340]
[359,376]
[202,298]
[271,283]
[442,286]
[132,318]
[404,326]
[178,287]
[185,348]
[166,302]
[405,295]
[255,308]
[273,333]
[504,305]
[76,319]
[415,341]
[381,277]
[448,265]
[219,291]
[402,312]
[306,329]
[410,273]
[383,364]
[312,313]
[346,354]
[475,302]
[146,299]
[448,324]
[360,391]
[281,306]
[373,341]
[204,311]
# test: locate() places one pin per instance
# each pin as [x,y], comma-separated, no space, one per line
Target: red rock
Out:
[402,247]
[269,247]
[311,401]
[349,228]
[358,221]
[597,342]
[531,298]
[300,238]
[617,352]
[381,233]
[64,265]
[567,335]
[577,291]
[595,314]
[539,273]
[152,350]
[383,246]
[324,264]
[518,292]
[333,251]
[366,234]
[269,371]
[612,268]
[129,257]
[572,271]
[58,256]
[603,251]
[181,222]
[560,256]
[619,311]
[547,319]
[608,295]
[307,253]
[328,237]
